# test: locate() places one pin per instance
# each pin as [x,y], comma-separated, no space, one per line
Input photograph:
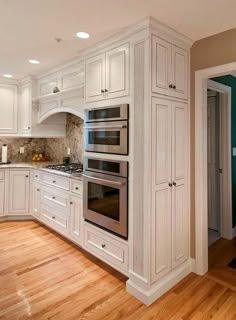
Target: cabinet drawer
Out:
[2,175]
[77,187]
[56,181]
[36,175]
[53,219]
[106,247]
[59,200]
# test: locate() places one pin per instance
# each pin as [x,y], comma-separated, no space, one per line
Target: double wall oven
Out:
[106,181]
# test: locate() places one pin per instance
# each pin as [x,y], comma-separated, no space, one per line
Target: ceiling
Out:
[28,27]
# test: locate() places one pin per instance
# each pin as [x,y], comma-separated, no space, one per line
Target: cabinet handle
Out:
[170,184]
[102,91]
[103,245]
[174,86]
[170,86]
[174,183]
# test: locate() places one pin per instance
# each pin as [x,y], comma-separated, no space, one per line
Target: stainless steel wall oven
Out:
[105,194]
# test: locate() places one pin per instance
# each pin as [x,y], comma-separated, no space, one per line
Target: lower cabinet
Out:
[76,212]
[2,196]
[36,201]
[19,190]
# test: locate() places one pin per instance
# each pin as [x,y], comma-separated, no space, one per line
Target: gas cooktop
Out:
[70,168]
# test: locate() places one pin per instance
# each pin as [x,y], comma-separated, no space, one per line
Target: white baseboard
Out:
[193,265]
[161,287]
[16,217]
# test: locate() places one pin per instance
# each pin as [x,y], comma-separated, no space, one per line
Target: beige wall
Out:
[209,52]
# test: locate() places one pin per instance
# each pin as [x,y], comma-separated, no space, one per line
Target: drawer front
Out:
[54,220]
[2,174]
[56,181]
[106,247]
[77,187]
[56,199]
[36,175]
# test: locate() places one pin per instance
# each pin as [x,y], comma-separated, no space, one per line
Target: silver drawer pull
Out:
[115,183]
[121,126]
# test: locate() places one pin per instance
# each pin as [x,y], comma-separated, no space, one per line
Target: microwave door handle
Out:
[115,183]
[107,127]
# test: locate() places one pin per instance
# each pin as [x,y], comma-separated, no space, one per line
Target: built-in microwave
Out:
[106,194]
[106,129]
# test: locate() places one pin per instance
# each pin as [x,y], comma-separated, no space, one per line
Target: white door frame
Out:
[201,192]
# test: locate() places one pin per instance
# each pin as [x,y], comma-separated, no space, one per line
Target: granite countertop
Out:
[40,166]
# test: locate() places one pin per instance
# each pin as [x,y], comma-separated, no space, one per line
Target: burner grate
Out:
[70,168]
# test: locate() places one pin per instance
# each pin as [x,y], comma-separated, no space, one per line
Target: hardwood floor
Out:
[42,276]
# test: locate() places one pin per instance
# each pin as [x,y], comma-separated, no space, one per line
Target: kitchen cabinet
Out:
[8,108]
[169,218]
[19,188]
[107,74]
[76,212]
[169,69]
[2,196]
[36,199]
[26,108]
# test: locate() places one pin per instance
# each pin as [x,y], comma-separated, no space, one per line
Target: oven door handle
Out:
[115,183]
[121,126]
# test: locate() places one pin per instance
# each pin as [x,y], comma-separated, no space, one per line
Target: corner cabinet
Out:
[107,74]
[19,188]
[8,108]
[170,235]
[169,69]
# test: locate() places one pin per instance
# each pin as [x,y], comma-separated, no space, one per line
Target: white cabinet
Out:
[8,108]
[19,187]
[36,199]
[2,196]
[169,69]
[76,211]
[170,236]
[26,108]
[107,74]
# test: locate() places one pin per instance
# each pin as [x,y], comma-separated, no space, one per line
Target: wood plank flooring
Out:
[42,276]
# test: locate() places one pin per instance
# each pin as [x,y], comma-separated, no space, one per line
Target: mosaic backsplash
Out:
[54,148]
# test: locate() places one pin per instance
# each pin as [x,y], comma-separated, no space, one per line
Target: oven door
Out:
[105,201]
[106,137]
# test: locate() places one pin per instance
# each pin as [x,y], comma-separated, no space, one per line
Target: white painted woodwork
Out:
[36,199]
[72,77]
[8,108]
[161,66]
[55,180]
[26,108]
[169,68]
[2,174]
[76,187]
[117,72]
[76,213]
[95,78]
[47,84]
[19,187]
[2,196]
[179,72]
[213,163]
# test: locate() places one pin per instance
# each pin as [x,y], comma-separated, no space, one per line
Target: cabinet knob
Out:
[53,217]
[38,189]
[170,184]
[170,86]
[71,202]
[102,91]
[54,181]
[106,90]
[103,245]
[53,198]
[174,86]
[28,128]
[36,176]
[27,176]
[174,183]
[76,188]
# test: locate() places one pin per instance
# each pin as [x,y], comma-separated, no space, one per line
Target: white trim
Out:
[161,287]
[201,221]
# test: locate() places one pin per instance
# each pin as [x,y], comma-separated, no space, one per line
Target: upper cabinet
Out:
[107,74]
[8,108]
[169,69]
[26,108]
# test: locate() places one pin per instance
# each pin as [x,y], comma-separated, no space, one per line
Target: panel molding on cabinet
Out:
[76,210]
[26,108]
[8,108]
[180,72]
[36,199]
[2,197]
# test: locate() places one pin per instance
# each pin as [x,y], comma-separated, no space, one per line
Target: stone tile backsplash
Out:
[54,148]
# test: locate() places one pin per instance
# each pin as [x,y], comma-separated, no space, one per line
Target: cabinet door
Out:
[179,73]
[8,108]
[180,220]
[19,191]
[161,66]
[161,197]
[26,108]
[76,218]
[36,199]
[117,72]
[2,197]
[95,78]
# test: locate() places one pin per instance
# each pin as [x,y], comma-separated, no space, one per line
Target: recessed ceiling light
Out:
[7,75]
[83,35]
[34,61]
